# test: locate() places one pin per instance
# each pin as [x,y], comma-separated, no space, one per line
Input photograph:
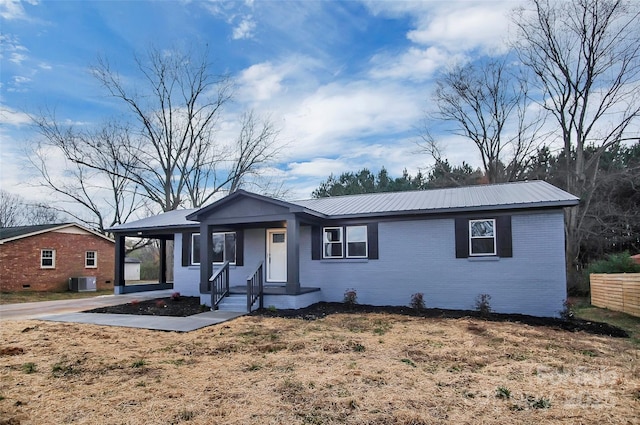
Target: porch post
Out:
[206,258]
[162,278]
[293,255]
[118,275]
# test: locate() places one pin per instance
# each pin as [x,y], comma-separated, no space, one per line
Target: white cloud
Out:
[244,29]
[261,81]
[12,9]
[414,64]
[12,117]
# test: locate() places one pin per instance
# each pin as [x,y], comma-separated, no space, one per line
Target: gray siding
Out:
[419,256]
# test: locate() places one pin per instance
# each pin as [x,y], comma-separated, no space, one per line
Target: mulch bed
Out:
[322,309]
[187,306]
[181,307]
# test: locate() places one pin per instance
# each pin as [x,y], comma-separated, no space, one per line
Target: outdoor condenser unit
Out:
[82,284]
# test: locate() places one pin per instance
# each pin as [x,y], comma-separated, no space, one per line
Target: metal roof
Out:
[528,194]
[533,194]
[167,220]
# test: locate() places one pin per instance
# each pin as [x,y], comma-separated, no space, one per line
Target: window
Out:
[195,248]
[224,247]
[335,242]
[482,237]
[332,242]
[48,259]
[91,259]
[356,241]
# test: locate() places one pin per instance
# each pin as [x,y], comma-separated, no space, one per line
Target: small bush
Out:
[417,301]
[541,403]
[135,302]
[567,312]
[483,304]
[350,297]
[615,263]
[161,304]
[272,308]
[175,296]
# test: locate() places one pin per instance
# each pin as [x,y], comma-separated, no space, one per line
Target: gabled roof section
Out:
[168,220]
[529,194]
[243,195]
[8,234]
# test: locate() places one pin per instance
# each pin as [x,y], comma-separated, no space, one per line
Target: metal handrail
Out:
[255,287]
[219,285]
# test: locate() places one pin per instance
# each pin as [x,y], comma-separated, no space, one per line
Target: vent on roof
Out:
[82,284]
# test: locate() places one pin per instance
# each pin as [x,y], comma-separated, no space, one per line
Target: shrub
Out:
[483,304]
[615,263]
[175,296]
[138,363]
[567,311]
[417,301]
[161,304]
[350,297]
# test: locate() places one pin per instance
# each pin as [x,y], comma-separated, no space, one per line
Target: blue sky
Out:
[347,83]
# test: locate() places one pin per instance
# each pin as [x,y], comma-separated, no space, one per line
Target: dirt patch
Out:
[180,307]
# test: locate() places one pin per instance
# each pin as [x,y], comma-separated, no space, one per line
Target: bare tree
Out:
[174,121]
[103,190]
[15,211]
[488,104]
[585,56]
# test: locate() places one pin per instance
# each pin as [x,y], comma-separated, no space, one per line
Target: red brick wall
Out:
[20,262]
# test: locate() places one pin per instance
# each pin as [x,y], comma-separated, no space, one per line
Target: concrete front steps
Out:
[235,303]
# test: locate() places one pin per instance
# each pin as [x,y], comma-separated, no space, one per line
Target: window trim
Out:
[192,259]
[494,237]
[324,242]
[94,259]
[52,258]
[366,241]
[224,252]
[344,242]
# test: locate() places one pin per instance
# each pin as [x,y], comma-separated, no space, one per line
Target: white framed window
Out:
[91,259]
[224,247]
[332,242]
[47,258]
[482,237]
[195,248]
[356,241]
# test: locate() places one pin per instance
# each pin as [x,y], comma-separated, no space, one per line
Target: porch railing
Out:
[219,285]
[255,288]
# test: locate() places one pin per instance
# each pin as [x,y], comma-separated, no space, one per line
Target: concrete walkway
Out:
[70,311]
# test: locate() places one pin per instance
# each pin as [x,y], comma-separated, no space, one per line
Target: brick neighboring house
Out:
[44,257]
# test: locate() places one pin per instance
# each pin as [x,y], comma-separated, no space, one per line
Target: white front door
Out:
[276,255]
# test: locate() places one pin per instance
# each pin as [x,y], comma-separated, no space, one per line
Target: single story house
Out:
[44,257]
[505,240]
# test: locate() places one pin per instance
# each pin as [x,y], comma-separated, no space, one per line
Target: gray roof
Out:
[517,195]
[470,198]
[167,220]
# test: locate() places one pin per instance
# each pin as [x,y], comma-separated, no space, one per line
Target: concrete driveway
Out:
[25,311]
[69,311]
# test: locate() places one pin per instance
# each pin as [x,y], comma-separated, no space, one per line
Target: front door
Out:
[276,255]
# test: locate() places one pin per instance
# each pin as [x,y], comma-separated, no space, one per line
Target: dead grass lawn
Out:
[353,369]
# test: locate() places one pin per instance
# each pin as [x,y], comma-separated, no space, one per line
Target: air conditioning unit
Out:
[82,284]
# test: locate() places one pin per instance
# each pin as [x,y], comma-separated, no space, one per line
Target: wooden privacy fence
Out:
[620,292]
